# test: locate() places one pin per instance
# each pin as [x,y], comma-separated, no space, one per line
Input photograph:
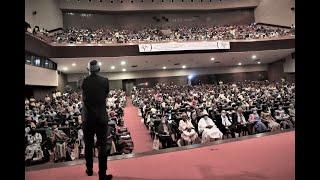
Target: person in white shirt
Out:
[26,102]
[208,129]
[76,109]
[283,119]
[292,112]
[227,125]
[153,110]
[189,135]
[163,104]
[34,140]
[47,98]
[240,121]
[58,94]
[177,105]
[54,95]
[225,119]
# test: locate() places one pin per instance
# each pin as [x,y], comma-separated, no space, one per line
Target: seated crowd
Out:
[53,128]
[112,35]
[184,115]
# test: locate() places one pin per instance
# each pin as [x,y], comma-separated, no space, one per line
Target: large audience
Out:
[175,115]
[53,130]
[107,35]
[184,115]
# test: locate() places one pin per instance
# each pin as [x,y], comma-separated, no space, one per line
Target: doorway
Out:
[128,85]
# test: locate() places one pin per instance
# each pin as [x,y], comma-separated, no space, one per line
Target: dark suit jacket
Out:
[160,129]
[95,90]
[234,118]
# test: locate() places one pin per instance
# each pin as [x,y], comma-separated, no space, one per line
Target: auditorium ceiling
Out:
[172,61]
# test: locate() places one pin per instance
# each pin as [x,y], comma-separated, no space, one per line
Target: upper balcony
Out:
[104,43]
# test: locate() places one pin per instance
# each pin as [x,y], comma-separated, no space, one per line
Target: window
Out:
[38,61]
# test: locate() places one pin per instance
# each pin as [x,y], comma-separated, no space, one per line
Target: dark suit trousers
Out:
[101,132]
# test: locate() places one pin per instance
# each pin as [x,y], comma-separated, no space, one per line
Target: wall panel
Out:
[48,14]
[40,76]
[277,12]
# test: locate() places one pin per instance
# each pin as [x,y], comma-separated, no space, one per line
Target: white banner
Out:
[183,46]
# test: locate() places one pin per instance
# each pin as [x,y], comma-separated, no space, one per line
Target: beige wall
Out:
[115,84]
[168,73]
[40,76]
[156,5]
[277,12]
[48,16]
[62,81]
[138,20]
[289,65]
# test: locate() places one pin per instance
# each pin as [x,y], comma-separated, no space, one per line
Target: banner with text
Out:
[183,46]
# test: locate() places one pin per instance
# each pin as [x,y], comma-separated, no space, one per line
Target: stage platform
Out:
[263,156]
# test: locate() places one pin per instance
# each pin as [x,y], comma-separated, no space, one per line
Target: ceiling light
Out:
[259,62]
[99,63]
[73,64]
[123,63]
[113,67]
[190,77]
[212,59]
[253,56]
[184,66]
[65,68]
[124,70]
[46,63]
[239,64]
[164,67]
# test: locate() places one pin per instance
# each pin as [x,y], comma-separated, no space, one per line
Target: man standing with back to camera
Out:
[95,90]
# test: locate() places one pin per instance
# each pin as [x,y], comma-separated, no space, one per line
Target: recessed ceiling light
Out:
[123,63]
[124,70]
[164,67]
[239,64]
[65,68]
[113,67]
[259,62]
[253,56]
[73,64]
[184,66]
[212,59]
[99,63]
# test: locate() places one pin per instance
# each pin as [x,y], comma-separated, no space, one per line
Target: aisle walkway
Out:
[139,133]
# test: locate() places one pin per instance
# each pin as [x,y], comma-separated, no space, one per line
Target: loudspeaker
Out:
[293,55]
[34,12]
[292,8]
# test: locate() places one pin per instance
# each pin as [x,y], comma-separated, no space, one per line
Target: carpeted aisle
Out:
[265,158]
[139,133]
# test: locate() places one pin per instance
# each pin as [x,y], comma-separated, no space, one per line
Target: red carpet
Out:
[268,157]
[139,133]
